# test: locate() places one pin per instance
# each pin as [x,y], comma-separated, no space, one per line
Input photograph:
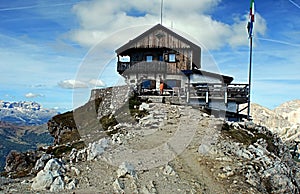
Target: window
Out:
[148,84]
[124,59]
[149,58]
[171,83]
[172,57]
[160,58]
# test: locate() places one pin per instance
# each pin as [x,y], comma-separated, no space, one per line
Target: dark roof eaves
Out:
[127,45]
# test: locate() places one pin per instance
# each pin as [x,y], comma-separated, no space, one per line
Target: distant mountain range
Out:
[284,119]
[25,113]
[23,126]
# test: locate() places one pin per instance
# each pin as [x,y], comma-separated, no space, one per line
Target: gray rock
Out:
[168,170]
[57,185]
[204,149]
[144,106]
[119,186]
[149,189]
[72,185]
[250,125]
[40,163]
[243,153]
[42,181]
[73,155]
[95,149]
[55,167]
[76,170]
[79,155]
[126,169]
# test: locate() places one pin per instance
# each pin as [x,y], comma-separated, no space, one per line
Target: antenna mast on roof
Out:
[161,11]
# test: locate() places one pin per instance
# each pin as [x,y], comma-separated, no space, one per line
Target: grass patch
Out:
[108,121]
[61,150]
[242,136]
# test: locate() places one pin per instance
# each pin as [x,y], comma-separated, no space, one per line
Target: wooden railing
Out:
[238,93]
[148,67]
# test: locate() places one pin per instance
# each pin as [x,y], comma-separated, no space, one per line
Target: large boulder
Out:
[43,180]
[55,167]
[51,177]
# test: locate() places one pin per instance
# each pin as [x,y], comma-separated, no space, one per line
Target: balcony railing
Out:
[234,92]
[148,67]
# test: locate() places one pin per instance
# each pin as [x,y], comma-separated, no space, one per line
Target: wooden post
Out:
[188,90]
[225,95]
[206,97]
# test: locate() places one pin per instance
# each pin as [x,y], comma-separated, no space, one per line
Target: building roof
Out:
[226,79]
[154,28]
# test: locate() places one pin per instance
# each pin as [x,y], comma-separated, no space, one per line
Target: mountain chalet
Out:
[163,64]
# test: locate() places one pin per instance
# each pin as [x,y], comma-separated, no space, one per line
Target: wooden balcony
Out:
[148,67]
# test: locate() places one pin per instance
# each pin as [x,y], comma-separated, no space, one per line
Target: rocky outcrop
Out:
[19,164]
[102,110]
[240,155]
[112,99]
[290,111]
[260,156]
[93,151]
[283,120]
[63,128]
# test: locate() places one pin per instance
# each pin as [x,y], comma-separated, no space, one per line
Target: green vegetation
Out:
[108,121]
[35,139]
[70,136]
[242,136]
[29,141]
[61,150]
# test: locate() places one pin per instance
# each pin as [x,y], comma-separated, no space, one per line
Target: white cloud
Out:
[100,19]
[72,84]
[32,95]
[96,83]
[239,32]
[75,84]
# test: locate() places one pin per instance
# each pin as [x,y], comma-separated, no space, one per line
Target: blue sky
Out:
[55,53]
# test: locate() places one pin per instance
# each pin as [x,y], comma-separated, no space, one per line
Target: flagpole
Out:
[249,78]
[250,32]
[161,11]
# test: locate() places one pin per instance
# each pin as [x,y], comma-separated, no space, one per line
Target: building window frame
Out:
[149,58]
[172,58]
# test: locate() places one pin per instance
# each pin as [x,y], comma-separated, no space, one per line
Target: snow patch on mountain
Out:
[25,113]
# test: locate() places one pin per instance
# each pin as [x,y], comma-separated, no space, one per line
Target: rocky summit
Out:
[147,147]
[284,120]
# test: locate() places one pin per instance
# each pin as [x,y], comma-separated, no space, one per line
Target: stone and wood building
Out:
[159,55]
